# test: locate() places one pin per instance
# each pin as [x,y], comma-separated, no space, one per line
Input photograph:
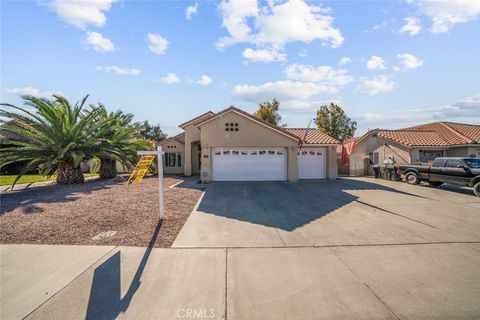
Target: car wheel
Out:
[435,183]
[412,178]
[476,189]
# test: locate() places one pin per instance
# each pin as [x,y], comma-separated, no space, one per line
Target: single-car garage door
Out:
[311,163]
[254,164]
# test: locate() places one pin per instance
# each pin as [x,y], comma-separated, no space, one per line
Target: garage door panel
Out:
[312,163]
[249,165]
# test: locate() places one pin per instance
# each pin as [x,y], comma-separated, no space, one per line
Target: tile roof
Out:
[471,131]
[413,137]
[314,136]
[198,119]
[434,134]
[179,138]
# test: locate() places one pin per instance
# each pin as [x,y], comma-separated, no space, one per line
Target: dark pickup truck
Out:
[462,171]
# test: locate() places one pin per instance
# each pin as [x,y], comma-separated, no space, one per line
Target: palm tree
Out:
[121,138]
[53,137]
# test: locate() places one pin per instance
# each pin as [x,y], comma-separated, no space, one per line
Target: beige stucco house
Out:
[233,145]
[411,145]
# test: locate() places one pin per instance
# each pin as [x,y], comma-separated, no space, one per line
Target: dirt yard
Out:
[75,214]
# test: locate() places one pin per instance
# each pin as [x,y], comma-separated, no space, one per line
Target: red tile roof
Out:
[179,138]
[314,136]
[434,134]
[198,119]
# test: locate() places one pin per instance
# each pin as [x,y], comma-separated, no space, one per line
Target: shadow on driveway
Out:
[286,206]
[105,300]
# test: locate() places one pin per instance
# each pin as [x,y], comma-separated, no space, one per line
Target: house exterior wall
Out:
[458,152]
[332,164]
[359,163]
[173,147]
[474,152]
[192,134]
[250,134]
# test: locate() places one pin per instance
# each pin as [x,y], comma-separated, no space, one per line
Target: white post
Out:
[160,181]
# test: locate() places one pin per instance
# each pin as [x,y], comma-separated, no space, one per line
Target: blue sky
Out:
[390,64]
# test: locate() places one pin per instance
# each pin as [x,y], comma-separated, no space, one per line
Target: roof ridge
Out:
[456,132]
[462,124]
[252,117]
[409,130]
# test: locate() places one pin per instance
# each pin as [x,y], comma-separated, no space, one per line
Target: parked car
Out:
[461,171]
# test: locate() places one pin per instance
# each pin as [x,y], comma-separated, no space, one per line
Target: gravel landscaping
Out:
[75,214]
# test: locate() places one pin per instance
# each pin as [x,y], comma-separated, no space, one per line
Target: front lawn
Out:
[6,180]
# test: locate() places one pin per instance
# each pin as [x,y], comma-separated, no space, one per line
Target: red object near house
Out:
[347,149]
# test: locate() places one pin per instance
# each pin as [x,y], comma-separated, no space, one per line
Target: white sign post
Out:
[159,154]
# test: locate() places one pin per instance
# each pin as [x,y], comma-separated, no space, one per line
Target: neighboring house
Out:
[233,145]
[421,143]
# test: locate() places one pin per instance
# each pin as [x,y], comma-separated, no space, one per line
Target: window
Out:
[312,153]
[262,152]
[235,153]
[279,152]
[243,153]
[373,157]
[473,163]
[173,159]
[319,153]
[253,153]
[453,163]
[217,153]
[428,156]
[226,152]
[271,152]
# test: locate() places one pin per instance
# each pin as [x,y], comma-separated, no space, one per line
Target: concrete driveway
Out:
[348,211]
[347,249]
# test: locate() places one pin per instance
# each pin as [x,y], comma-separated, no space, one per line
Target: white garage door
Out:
[311,163]
[255,164]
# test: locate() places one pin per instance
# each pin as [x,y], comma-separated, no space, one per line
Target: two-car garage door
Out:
[265,164]
[253,164]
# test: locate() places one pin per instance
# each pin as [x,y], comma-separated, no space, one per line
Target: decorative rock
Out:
[104,234]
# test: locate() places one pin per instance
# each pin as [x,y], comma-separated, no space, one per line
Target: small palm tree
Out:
[119,140]
[52,137]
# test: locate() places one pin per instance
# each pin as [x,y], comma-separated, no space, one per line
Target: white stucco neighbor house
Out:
[233,145]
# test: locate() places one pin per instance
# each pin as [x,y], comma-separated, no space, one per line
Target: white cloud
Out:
[190,11]
[408,61]
[468,108]
[344,60]
[157,43]
[170,78]
[326,75]
[375,85]
[99,42]
[263,55]
[412,26]
[376,63]
[204,80]
[118,70]
[276,24]
[32,91]
[282,90]
[446,14]
[81,14]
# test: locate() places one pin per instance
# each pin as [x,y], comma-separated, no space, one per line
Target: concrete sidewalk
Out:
[422,281]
